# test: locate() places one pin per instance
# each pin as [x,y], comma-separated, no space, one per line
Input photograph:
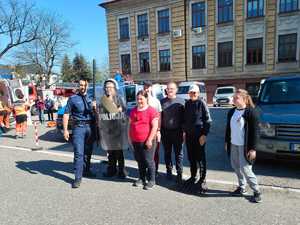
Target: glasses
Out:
[193,92]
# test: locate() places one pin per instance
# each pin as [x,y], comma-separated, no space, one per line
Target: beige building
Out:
[220,42]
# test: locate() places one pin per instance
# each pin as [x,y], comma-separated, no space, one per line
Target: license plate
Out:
[295,147]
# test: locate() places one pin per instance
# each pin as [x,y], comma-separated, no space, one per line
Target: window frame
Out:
[221,8]
[143,68]
[258,10]
[145,25]
[160,19]
[199,64]
[222,60]
[256,52]
[282,59]
[202,18]
[285,4]
[121,36]
[122,64]
[164,66]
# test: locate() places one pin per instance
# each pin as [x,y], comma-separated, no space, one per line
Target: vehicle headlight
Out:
[267,129]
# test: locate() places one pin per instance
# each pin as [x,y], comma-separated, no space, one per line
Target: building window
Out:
[254,51]
[255,8]
[124,28]
[163,21]
[198,56]
[287,47]
[225,54]
[198,14]
[142,25]
[144,62]
[288,5]
[225,11]
[164,60]
[126,66]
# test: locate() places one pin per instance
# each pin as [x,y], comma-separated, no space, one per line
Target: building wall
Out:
[240,74]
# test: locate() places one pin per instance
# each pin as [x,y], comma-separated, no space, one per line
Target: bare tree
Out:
[48,49]
[19,24]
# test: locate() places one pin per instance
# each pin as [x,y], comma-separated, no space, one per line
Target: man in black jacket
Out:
[171,129]
[197,122]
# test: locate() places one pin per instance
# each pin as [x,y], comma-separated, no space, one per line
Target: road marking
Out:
[133,164]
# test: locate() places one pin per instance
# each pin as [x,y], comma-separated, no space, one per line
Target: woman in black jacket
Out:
[240,142]
[196,127]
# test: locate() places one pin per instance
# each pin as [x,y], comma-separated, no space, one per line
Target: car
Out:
[183,89]
[59,120]
[278,109]
[224,96]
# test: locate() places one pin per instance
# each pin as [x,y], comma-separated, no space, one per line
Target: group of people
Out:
[42,105]
[171,121]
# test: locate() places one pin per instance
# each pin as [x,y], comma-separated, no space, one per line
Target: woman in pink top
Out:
[142,133]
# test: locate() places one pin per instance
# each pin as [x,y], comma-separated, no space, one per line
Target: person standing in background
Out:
[40,105]
[172,116]
[154,103]
[20,108]
[49,105]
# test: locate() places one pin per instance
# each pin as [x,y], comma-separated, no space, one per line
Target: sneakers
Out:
[203,187]
[149,185]
[76,183]
[257,197]
[239,192]
[137,183]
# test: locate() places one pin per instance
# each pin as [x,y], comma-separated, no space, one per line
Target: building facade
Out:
[220,42]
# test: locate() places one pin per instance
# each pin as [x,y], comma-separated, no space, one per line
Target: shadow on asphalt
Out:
[48,167]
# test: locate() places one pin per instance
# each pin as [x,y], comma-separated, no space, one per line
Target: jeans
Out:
[83,147]
[196,156]
[41,115]
[50,114]
[145,160]
[242,168]
[172,139]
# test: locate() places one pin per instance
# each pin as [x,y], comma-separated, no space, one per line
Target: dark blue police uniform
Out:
[80,108]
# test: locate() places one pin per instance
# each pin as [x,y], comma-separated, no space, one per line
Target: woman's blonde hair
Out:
[246,97]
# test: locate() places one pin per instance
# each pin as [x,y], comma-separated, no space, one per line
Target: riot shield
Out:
[113,125]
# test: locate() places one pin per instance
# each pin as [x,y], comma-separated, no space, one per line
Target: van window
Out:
[202,88]
[130,93]
[183,90]
[281,92]
[225,91]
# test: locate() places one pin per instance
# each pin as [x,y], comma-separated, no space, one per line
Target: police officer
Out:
[80,107]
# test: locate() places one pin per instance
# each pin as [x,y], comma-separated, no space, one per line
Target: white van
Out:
[183,89]
[224,96]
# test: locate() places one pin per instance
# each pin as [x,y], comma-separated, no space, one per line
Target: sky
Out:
[88,26]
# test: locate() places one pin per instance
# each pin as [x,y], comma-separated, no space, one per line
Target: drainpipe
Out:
[185,43]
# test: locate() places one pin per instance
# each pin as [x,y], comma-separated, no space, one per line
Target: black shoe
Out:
[191,180]
[179,178]
[239,192]
[89,174]
[169,174]
[76,183]
[122,174]
[149,185]
[137,183]
[257,197]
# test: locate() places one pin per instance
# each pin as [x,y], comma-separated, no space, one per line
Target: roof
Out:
[285,77]
[105,3]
